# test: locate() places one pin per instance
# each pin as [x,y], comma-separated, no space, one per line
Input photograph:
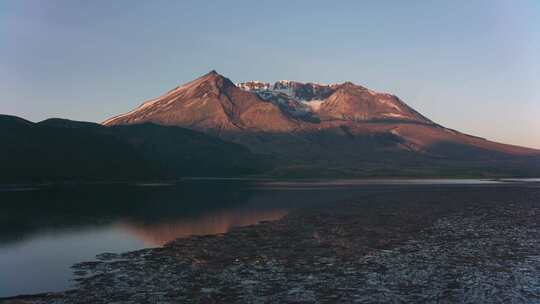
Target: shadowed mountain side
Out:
[183,152]
[401,164]
[34,152]
[58,149]
[383,150]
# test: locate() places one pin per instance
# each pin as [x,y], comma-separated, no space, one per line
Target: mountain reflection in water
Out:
[54,210]
[158,234]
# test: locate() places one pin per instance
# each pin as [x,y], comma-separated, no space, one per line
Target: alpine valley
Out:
[284,129]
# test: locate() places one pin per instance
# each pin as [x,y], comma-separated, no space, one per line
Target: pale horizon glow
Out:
[470,66]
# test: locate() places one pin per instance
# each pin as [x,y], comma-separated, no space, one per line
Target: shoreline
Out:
[29,186]
[285,260]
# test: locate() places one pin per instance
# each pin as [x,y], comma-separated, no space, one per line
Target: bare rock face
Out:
[324,123]
[356,103]
[210,103]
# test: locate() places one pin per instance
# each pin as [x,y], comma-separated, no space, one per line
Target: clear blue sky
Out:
[469,65]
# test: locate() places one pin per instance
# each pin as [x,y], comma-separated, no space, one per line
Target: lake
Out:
[44,231]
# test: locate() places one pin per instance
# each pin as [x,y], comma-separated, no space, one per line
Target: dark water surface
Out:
[45,231]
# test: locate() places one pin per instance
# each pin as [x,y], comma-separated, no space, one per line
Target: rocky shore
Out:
[453,244]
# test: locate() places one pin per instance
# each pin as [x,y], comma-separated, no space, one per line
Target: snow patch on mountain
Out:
[143,106]
[394,115]
[314,105]
[296,97]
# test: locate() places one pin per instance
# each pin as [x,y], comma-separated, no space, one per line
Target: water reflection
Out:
[158,234]
[31,213]
[44,232]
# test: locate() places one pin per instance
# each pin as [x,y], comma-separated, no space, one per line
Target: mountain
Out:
[345,101]
[212,104]
[60,149]
[329,129]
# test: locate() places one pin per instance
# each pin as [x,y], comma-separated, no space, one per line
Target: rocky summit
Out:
[213,102]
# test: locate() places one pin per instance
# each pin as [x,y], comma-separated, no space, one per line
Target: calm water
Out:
[45,231]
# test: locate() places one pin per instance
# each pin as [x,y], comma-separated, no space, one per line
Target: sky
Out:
[473,66]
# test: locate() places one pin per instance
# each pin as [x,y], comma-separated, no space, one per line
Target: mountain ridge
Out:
[212,127]
[352,127]
[66,150]
[345,104]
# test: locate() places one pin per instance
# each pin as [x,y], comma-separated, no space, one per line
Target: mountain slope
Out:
[210,103]
[340,125]
[356,103]
[59,149]
[33,152]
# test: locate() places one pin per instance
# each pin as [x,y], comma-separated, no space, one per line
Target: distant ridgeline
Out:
[58,149]
[212,127]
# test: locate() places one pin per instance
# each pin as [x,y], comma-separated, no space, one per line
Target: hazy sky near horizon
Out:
[469,65]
